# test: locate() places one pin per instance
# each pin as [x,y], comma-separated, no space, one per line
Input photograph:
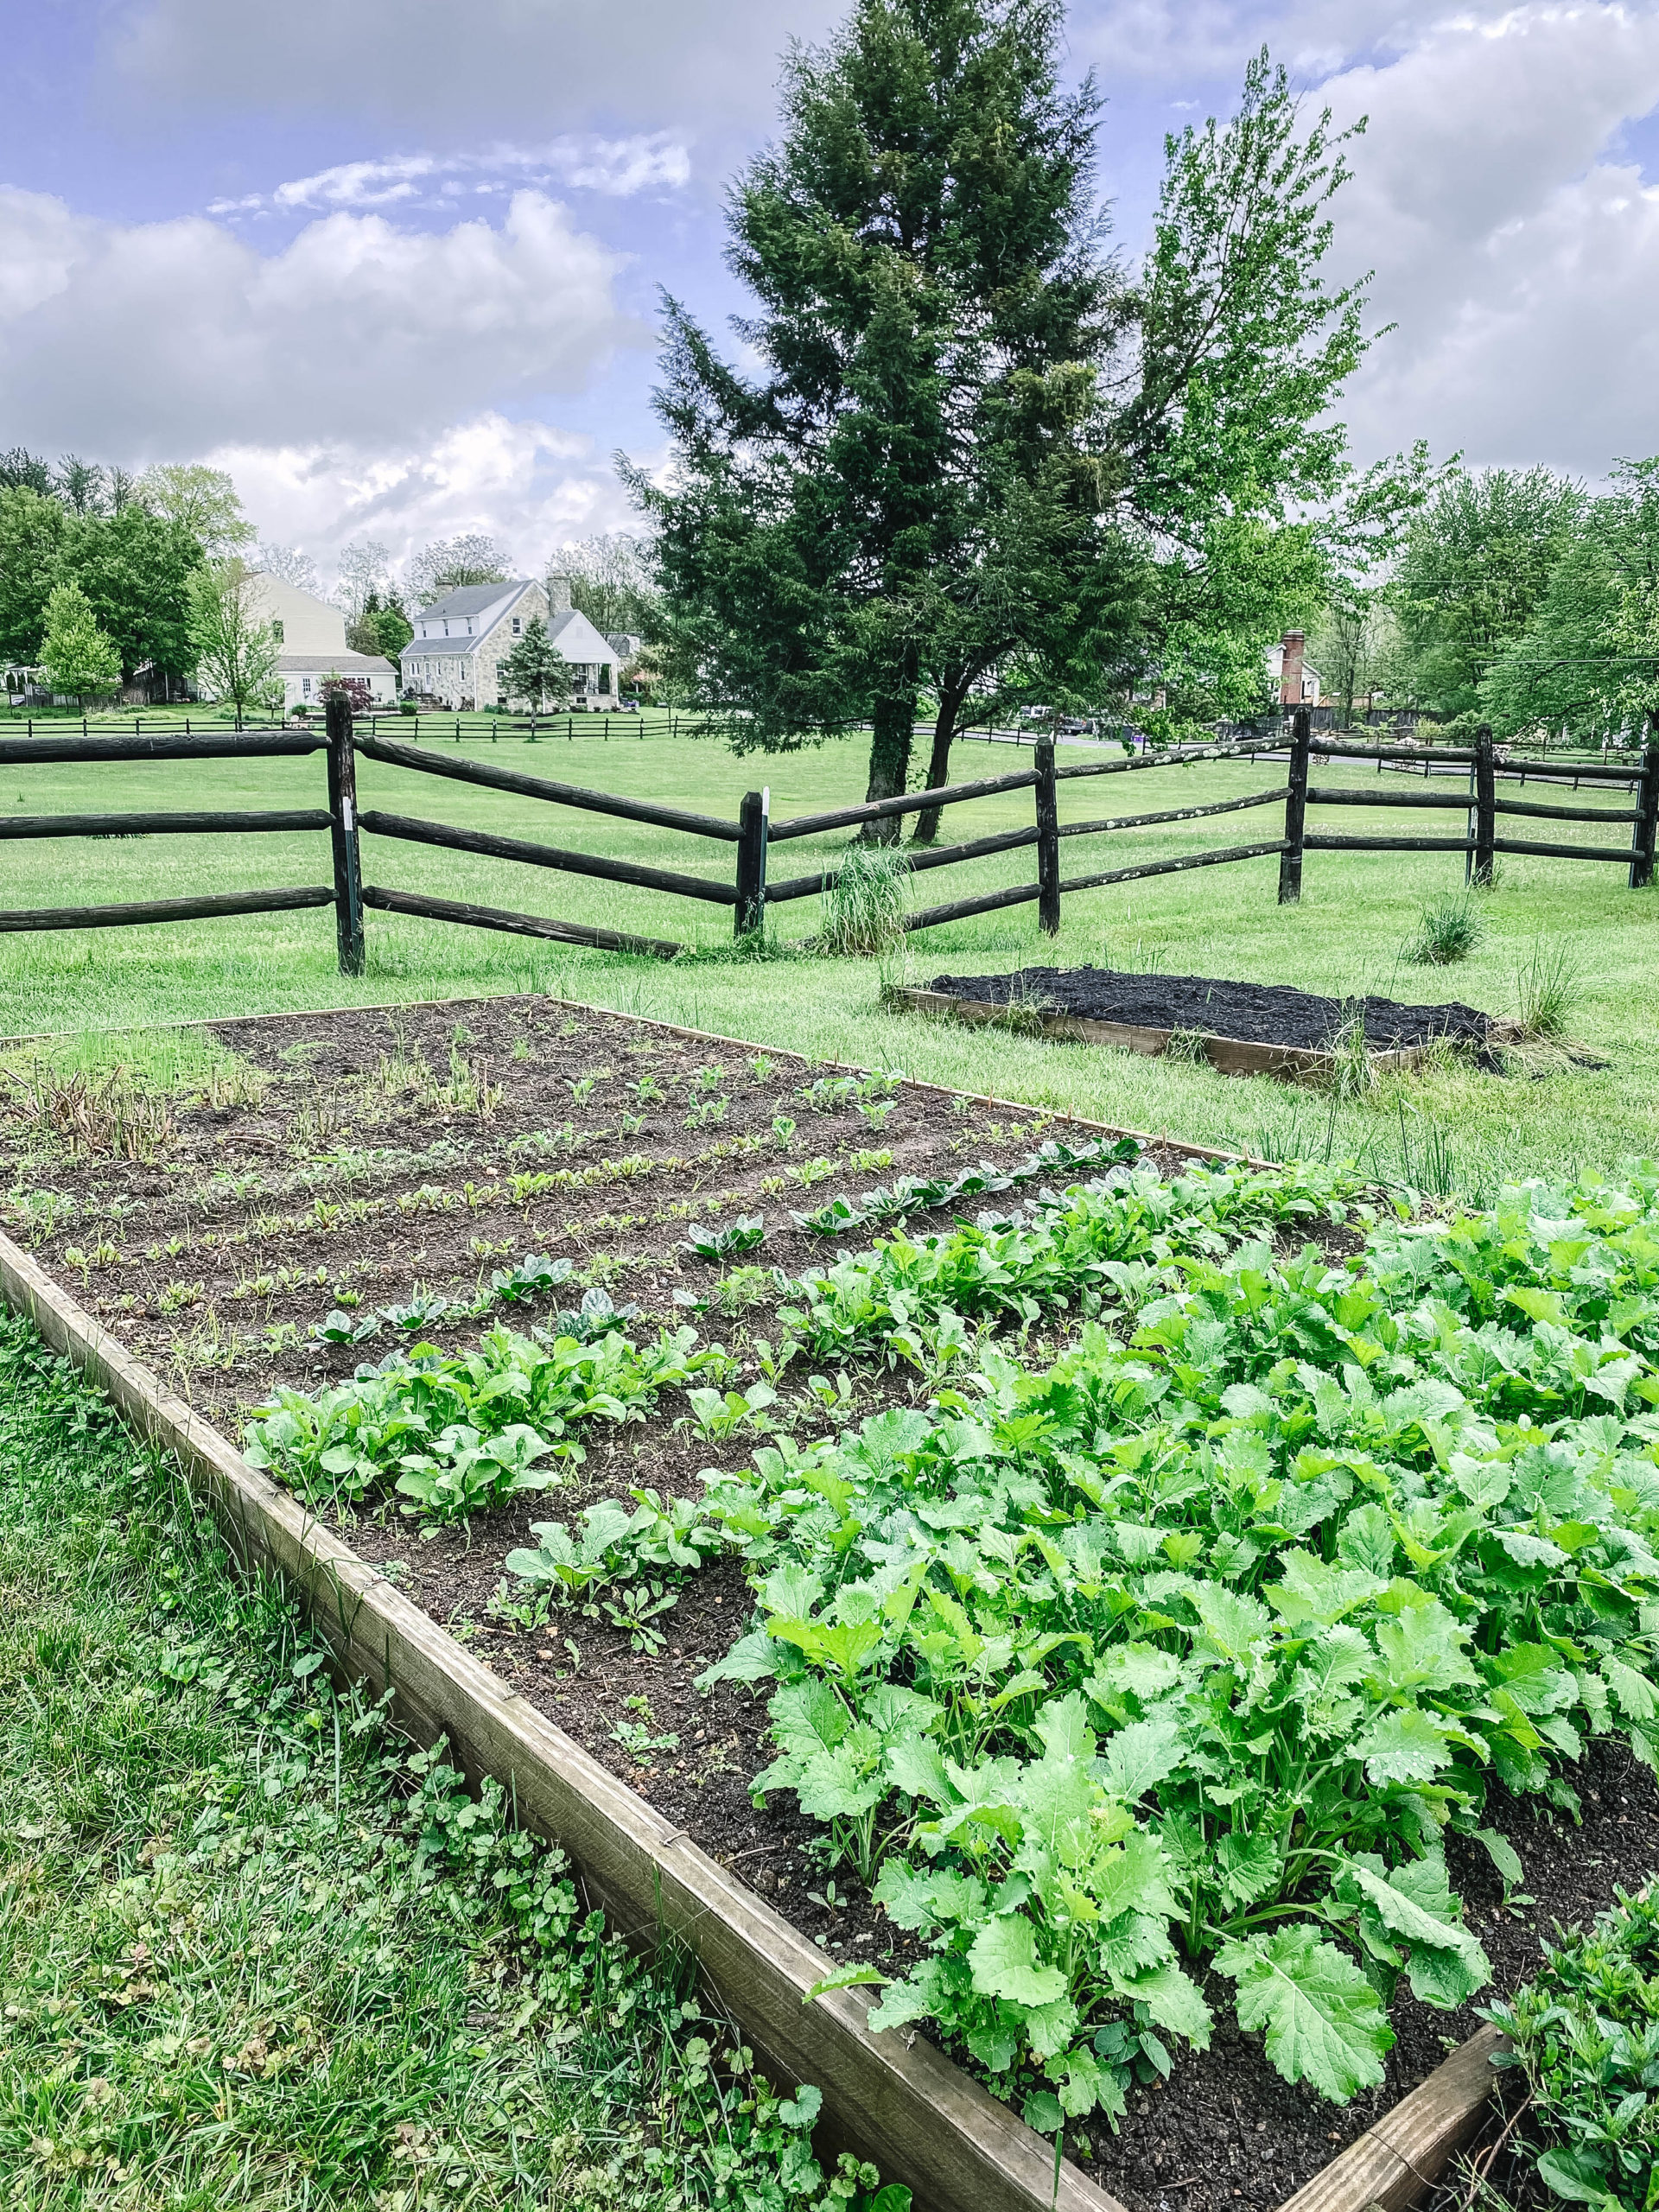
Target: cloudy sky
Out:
[396,265]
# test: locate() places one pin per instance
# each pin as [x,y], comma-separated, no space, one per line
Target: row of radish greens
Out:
[1173,1658]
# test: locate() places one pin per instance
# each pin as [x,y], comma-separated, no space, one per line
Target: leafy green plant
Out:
[1449,930]
[344,1444]
[535,1274]
[707,1113]
[466,1473]
[925,1194]
[721,1413]
[722,1241]
[1585,2032]
[783,1130]
[1191,1649]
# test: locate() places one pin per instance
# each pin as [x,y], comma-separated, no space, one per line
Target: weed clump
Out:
[1449,932]
[863,910]
[1547,989]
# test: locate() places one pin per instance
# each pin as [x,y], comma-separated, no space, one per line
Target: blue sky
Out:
[395,265]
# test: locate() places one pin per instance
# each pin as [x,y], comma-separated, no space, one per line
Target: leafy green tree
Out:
[32,528]
[1474,568]
[1588,662]
[81,485]
[978,463]
[201,500]
[535,671]
[135,569]
[236,651]
[381,628]
[392,627]
[77,656]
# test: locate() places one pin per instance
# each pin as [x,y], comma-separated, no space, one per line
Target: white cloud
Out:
[525,484]
[619,166]
[152,340]
[1519,265]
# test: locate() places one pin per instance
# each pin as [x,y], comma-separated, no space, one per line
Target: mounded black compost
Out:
[1263,1014]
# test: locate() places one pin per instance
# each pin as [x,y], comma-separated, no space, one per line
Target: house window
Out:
[516,626]
[305,685]
[277,629]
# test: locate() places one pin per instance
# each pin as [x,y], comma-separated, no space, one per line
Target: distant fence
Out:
[750,892]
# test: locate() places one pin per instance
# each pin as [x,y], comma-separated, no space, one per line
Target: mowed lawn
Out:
[1455,1129]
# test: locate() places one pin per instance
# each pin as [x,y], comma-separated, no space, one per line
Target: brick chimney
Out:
[1290,675]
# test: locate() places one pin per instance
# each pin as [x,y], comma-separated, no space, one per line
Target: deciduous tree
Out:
[236,651]
[77,656]
[1474,568]
[450,563]
[202,500]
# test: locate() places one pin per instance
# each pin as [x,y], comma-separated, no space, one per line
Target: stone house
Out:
[461,639]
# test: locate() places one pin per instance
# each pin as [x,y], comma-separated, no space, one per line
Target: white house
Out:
[461,639]
[311,638]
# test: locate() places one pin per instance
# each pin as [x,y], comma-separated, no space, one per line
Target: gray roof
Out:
[470,599]
[324,664]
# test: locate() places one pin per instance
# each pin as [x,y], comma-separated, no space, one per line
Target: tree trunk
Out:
[891,725]
[938,766]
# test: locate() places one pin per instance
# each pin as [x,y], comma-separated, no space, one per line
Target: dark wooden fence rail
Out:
[1479,804]
[749,894]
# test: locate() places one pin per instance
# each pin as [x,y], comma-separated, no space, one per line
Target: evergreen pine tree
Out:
[535,671]
[978,461]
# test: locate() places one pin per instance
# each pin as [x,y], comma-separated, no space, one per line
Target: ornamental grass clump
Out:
[1448,932]
[1548,987]
[862,912]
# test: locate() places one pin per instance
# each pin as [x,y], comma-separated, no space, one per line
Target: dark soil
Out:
[373,1153]
[1264,1014]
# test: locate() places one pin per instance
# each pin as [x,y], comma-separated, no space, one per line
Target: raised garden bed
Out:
[609,1745]
[1240,1029]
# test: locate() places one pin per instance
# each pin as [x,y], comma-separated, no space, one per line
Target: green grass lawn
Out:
[1454,1129]
[255,1954]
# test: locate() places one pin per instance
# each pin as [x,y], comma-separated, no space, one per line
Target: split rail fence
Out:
[751,889]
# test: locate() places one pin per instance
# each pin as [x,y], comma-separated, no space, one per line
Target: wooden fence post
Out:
[342,831]
[1290,860]
[1646,827]
[1048,840]
[1485,808]
[750,912]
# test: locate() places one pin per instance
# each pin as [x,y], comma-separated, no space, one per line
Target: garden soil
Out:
[1263,1013]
